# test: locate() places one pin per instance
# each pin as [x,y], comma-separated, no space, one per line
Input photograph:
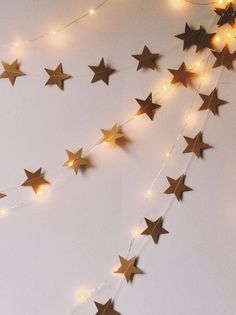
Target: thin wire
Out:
[200,3]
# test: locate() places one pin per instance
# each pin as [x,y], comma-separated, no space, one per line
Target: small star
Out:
[75,160]
[106,309]
[35,180]
[2,195]
[224,58]
[177,187]
[111,136]
[189,37]
[128,268]
[147,60]
[147,107]
[11,71]
[101,72]
[211,102]
[155,229]
[196,145]
[182,75]
[57,77]
[227,15]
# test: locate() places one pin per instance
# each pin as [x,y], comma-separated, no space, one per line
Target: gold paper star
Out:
[106,309]
[147,107]
[155,229]
[227,15]
[11,71]
[211,102]
[35,180]
[2,195]
[57,77]
[111,136]
[101,72]
[128,268]
[147,60]
[182,75]
[177,187]
[196,145]
[75,160]
[224,58]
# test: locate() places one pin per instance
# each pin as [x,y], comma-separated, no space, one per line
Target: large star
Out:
[106,309]
[189,37]
[211,102]
[128,268]
[146,60]
[177,187]
[35,180]
[101,72]
[196,145]
[147,107]
[155,229]
[182,75]
[75,160]
[57,77]
[224,58]
[112,135]
[11,71]
[227,15]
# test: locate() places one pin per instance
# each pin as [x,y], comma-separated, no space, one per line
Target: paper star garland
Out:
[211,102]
[75,160]
[177,187]
[128,268]
[57,77]
[106,309]
[147,107]
[196,145]
[11,71]
[224,58]
[227,15]
[155,229]
[102,72]
[182,75]
[147,60]
[112,135]
[35,180]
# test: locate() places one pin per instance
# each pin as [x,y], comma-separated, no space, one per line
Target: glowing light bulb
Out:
[16,44]
[82,295]
[54,33]
[148,193]
[217,39]
[167,154]
[136,231]
[3,212]
[91,12]
[70,163]
[177,3]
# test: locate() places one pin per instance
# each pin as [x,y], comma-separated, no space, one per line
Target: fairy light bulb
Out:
[177,4]
[136,231]
[149,193]
[91,12]
[17,44]
[54,33]
[167,154]
[3,212]
[82,295]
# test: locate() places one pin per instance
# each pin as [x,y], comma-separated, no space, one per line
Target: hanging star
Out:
[101,72]
[57,77]
[35,180]
[182,75]
[11,71]
[211,102]
[196,145]
[106,309]
[128,268]
[146,60]
[177,187]
[224,58]
[112,135]
[155,229]
[2,195]
[227,15]
[189,37]
[147,107]
[75,160]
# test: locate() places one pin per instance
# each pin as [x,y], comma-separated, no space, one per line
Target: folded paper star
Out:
[75,160]
[227,15]
[147,60]
[155,229]
[106,309]
[177,187]
[35,180]
[57,77]
[211,102]
[182,75]
[102,72]
[11,71]
[128,268]
[224,58]
[2,195]
[196,145]
[147,107]
[189,37]
[112,135]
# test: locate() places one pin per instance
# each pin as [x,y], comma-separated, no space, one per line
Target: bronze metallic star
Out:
[128,268]
[182,75]
[106,309]
[224,58]
[102,72]
[11,71]
[75,160]
[211,102]
[35,180]
[155,229]
[57,77]
[112,135]
[147,60]
[196,145]
[147,107]
[227,15]
[177,187]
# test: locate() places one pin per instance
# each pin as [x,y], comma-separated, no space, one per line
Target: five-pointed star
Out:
[112,135]
[177,187]
[147,107]
[196,145]
[224,58]
[182,75]
[188,37]
[155,229]
[101,72]
[227,15]
[106,309]
[11,71]
[57,77]
[75,160]
[35,180]
[128,268]
[147,59]
[211,102]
